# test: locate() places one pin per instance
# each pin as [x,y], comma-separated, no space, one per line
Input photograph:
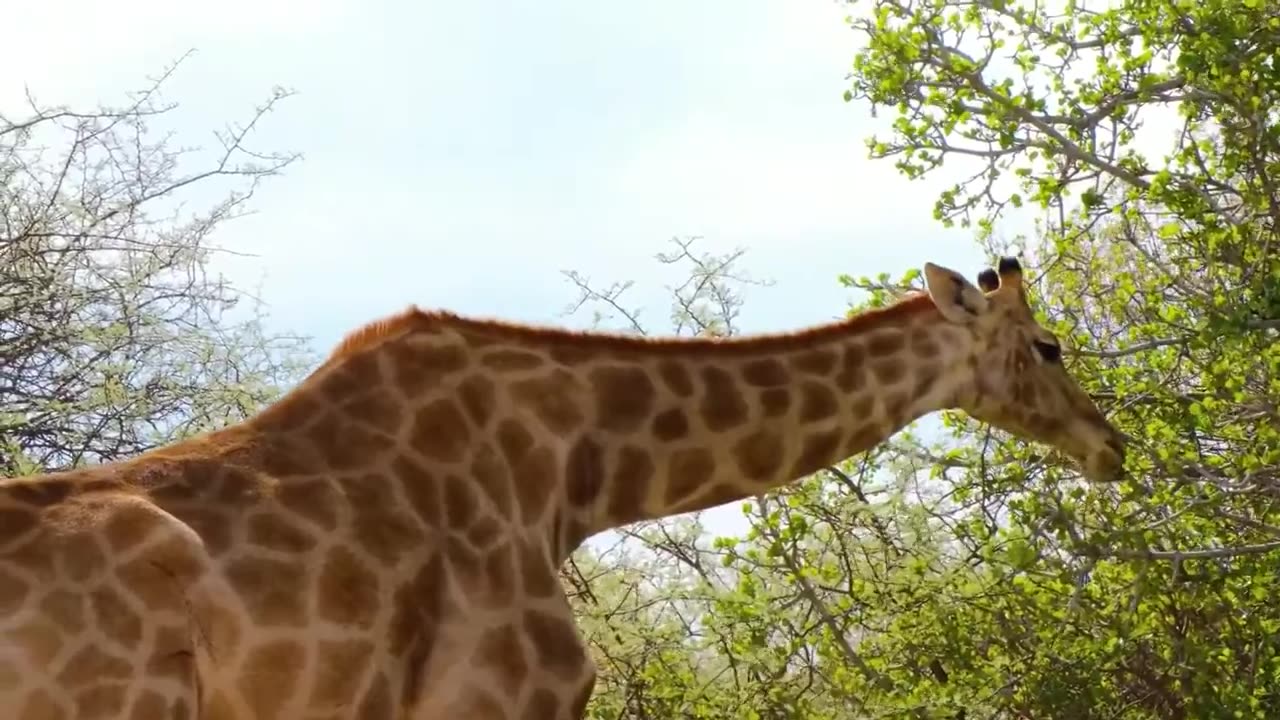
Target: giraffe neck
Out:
[726,426]
[569,434]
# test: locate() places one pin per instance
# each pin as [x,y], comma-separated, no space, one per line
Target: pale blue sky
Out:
[461,155]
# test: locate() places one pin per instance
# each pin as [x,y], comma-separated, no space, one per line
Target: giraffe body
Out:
[383,542]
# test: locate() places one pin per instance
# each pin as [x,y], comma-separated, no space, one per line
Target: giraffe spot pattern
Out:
[888,371]
[479,398]
[460,506]
[535,479]
[553,399]
[417,607]
[377,409]
[862,439]
[687,470]
[584,472]
[775,402]
[850,376]
[818,450]
[114,618]
[347,593]
[68,609]
[149,704]
[542,704]
[555,644]
[170,655]
[676,378]
[476,703]
[504,360]
[101,701]
[500,576]
[670,425]
[128,526]
[499,651]
[440,431]
[926,379]
[624,397]
[539,577]
[885,343]
[420,487]
[922,345]
[514,440]
[632,476]
[273,531]
[815,362]
[269,676]
[765,372]
[490,473]
[42,705]
[379,526]
[817,402]
[418,366]
[91,664]
[759,455]
[273,591]
[345,445]
[377,700]
[897,407]
[483,532]
[13,592]
[722,404]
[571,355]
[339,672]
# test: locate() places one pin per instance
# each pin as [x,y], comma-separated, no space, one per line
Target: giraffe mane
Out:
[415,319]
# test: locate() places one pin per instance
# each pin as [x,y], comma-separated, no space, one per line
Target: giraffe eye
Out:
[1051,352]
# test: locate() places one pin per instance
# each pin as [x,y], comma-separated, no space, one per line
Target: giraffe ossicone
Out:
[384,540]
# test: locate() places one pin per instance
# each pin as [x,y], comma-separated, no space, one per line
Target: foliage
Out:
[963,574]
[113,335]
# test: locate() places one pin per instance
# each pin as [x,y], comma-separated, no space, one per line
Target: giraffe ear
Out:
[957,299]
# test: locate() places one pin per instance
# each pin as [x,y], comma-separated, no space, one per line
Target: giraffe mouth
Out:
[1106,465]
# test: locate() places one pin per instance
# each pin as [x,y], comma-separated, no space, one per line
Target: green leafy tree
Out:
[966,575]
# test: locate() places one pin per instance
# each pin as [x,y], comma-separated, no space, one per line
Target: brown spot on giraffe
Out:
[584,470]
[765,372]
[556,646]
[815,362]
[671,424]
[624,397]
[817,402]
[340,671]
[500,651]
[403,511]
[688,470]
[551,398]
[512,360]
[775,402]
[723,406]
[759,455]
[440,431]
[479,399]
[676,377]
[347,591]
[632,477]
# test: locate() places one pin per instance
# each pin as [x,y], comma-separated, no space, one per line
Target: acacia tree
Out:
[114,336]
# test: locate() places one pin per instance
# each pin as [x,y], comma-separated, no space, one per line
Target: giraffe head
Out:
[1015,379]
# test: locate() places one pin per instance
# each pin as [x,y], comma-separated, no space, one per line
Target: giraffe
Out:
[383,541]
